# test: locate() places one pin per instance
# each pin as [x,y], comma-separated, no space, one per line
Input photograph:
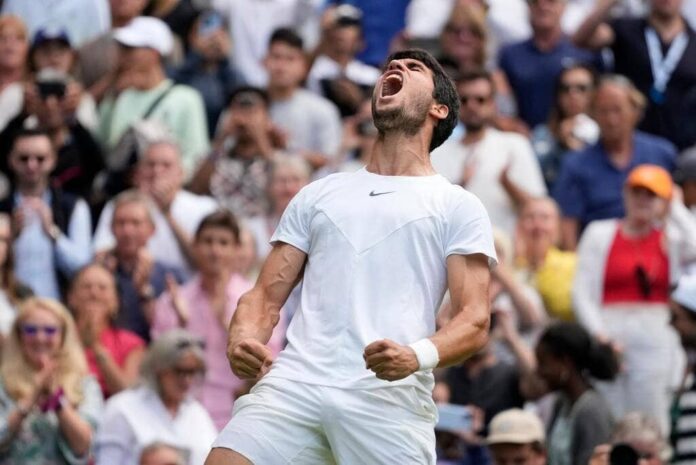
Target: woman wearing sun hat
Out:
[621,289]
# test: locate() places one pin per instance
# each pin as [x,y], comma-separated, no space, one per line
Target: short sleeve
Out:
[469,231]
[293,228]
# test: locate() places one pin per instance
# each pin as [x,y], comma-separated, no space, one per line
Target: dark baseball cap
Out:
[51,34]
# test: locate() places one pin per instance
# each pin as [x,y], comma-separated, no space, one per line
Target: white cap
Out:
[685,293]
[515,426]
[145,31]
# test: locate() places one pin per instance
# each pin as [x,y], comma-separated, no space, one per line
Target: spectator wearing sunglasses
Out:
[621,290]
[161,408]
[49,404]
[52,227]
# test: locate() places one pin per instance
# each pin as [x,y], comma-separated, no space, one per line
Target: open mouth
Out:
[391,85]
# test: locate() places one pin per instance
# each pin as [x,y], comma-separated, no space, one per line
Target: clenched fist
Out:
[249,359]
[390,361]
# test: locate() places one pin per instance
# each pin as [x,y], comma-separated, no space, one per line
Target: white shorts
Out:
[286,422]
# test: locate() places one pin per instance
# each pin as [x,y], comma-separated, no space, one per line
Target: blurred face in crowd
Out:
[684,322]
[345,40]
[575,91]
[248,113]
[246,257]
[161,456]
[478,105]
[132,227]
[689,192]
[136,59]
[643,205]
[551,368]
[546,15]
[614,112]
[286,66]
[14,46]
[160,164]
[123,11]
[286,182]
[94,289]
[32,159]
[215,249]
[54,54]
[540,221]
[40,335]
[517,454]
[176,382]
[403,96]
[463,37]
[666,8]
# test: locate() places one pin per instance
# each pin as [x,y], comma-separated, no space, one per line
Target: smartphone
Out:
[51,88]
[453,418]
[211,21]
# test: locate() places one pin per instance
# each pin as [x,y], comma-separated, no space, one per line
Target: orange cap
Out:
[652,177]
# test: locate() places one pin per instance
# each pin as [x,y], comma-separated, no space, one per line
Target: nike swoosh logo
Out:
[375,194]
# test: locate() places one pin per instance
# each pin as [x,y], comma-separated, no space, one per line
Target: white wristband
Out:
[426,353]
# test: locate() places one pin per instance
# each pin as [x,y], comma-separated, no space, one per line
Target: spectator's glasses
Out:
[459,30]
[24,158]
[465,99]
[643,281]
[188,343]
[188,373]
[579,88]
[31,330]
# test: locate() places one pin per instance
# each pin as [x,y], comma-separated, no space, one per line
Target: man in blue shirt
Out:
[589,186]
[532,66]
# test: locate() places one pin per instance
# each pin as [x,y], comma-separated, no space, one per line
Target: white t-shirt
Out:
[187,209]
[489,157]
[377,249]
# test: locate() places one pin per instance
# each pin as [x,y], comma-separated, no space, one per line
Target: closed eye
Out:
[415,66]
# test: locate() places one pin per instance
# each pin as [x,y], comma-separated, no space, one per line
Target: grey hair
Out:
[294,162]
[159,445]
[638,426]
[166,351]
[635,96]
[135,196]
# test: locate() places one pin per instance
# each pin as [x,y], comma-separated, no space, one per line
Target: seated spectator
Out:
[113,354]
[336,72]
[161,408]
[516,437]
[161,453]
[236,173]
[589,185]
[568,126]
[49,404]
[287,176]
[567,359]
[621,290]
[312,124]
[683,319]
[52,227]
[641,47]
[685,177]
[205,305]
[141,89]
[637,437]
[57,104]
[549,270]
[158,174]
[532,66]
[140,278]
[11,291]
[498,167]
[206,66]
[14,50]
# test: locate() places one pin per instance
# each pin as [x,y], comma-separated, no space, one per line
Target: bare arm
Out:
[569,233]
[75,429]
[258,311]
[594,33]
[117,379]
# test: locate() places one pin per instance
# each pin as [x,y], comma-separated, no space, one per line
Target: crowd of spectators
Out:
[148,149]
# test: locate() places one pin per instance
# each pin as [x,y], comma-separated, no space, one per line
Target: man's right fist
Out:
[249,359]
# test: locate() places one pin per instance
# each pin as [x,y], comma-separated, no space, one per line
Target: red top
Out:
[637,270]
[119,343]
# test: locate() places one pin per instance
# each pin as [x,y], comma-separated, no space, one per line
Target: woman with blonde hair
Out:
[49,404]
[14,50]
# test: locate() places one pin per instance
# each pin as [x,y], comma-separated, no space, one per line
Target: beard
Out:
[408,119]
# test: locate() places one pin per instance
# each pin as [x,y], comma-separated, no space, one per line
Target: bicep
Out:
[468,278]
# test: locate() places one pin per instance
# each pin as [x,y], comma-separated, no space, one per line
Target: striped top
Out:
[684,426]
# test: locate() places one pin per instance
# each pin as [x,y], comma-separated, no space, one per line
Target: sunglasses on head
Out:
[32,330]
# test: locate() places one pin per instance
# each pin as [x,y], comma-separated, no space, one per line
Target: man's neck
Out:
[210,282]
[10,75]
[120,21]
[150,79]
[620,150]
[547,39]
[668,27]
[474,135]
[399,154]
[343,59]
[32,190]
[277,93]
[126,261]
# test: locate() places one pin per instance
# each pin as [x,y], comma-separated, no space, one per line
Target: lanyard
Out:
[663,66]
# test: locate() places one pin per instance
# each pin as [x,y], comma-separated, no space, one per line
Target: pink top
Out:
[217,392]
[119,343]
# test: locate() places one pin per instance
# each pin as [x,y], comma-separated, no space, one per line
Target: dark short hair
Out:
[239,91]
[444,92]
[26,132]
[223,219]
[286,36]
[475,75]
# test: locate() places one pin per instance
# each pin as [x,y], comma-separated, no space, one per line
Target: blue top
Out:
[589,186]
[532,74]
